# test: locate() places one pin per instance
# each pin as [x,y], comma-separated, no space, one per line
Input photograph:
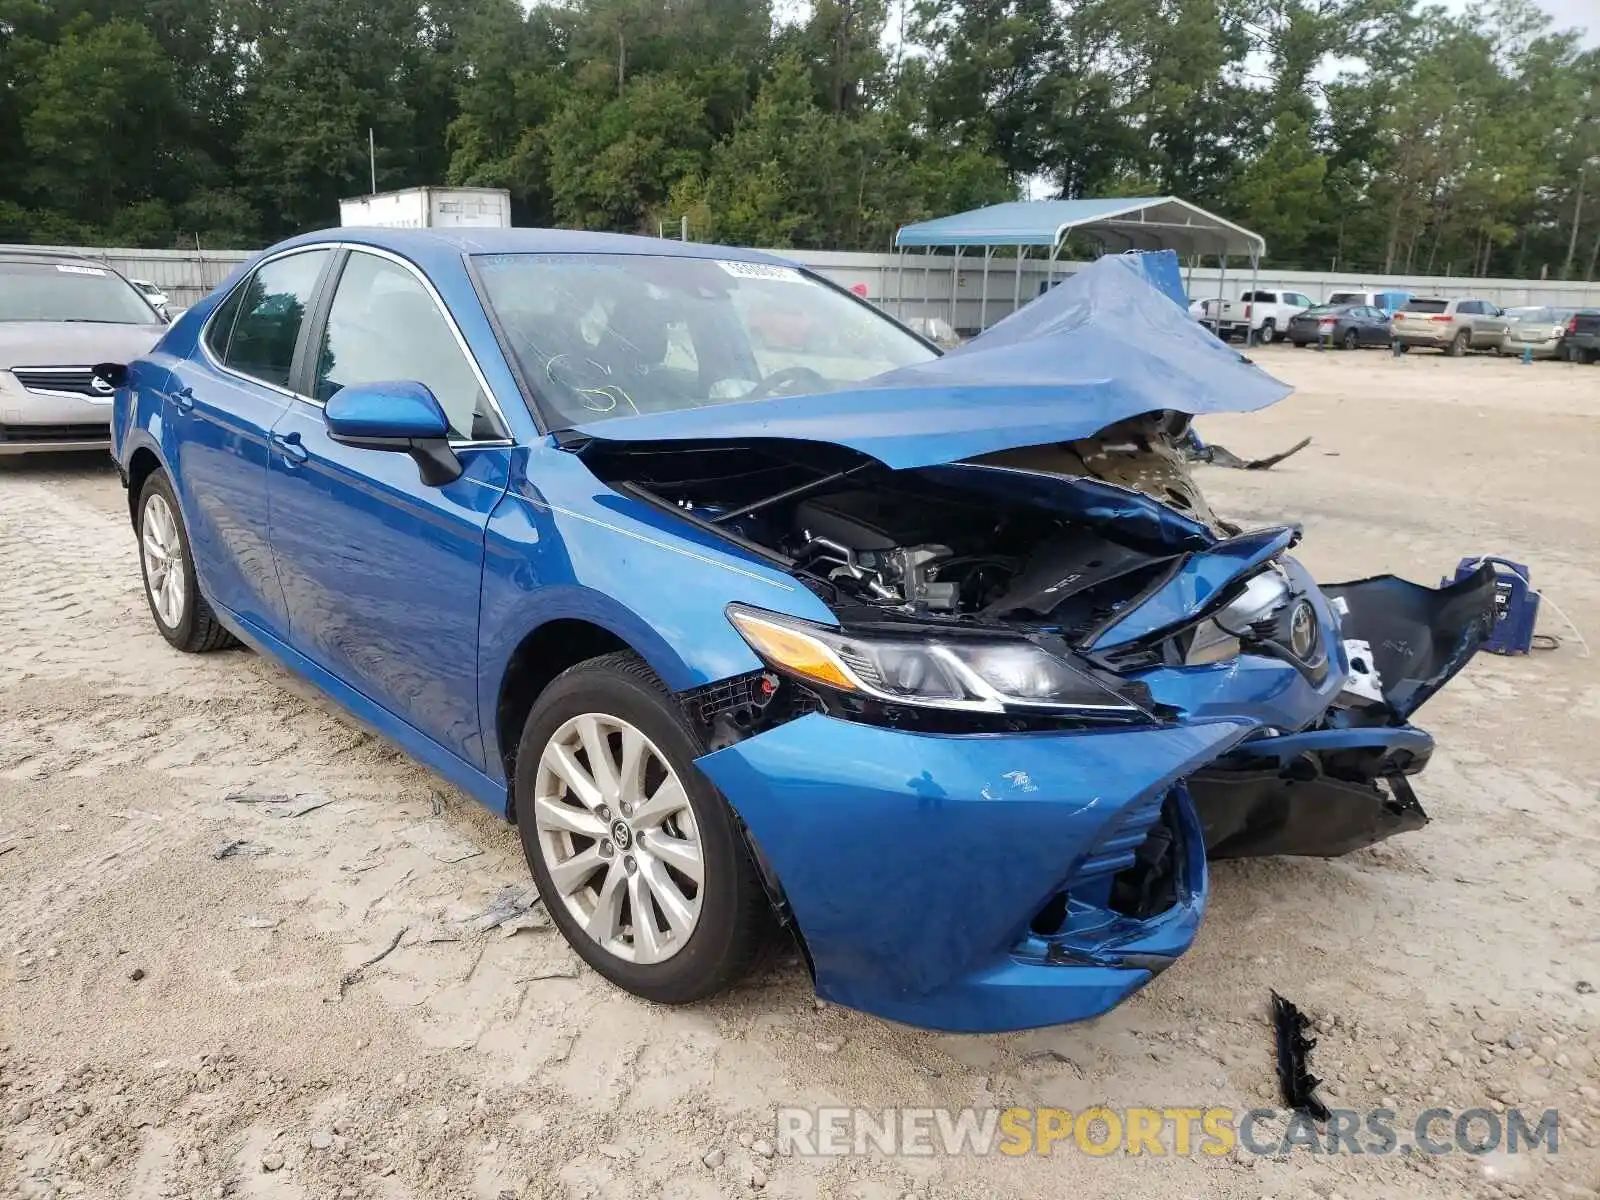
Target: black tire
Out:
[1269,331]
[735,924]
[1458,344]
[1350,341]
[196,630]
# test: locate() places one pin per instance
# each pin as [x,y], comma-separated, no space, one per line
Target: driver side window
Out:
[384,325]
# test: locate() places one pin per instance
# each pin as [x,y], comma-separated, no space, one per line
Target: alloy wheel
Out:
[162,550]
[618,836]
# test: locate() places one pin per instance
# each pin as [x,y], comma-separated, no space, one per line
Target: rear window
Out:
[66,291]
[1346,298]
[1325,310]
[1261,297]
[1426,306]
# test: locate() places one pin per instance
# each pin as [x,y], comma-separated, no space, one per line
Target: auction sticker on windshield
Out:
[750,270]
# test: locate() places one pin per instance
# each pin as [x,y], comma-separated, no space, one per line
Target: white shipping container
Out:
[430,208]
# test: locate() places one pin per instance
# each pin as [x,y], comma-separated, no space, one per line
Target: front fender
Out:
[571,548]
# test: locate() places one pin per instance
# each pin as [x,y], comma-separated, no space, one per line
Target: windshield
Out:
[47,291]
[607,335]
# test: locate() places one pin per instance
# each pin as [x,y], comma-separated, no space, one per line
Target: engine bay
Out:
[884,545]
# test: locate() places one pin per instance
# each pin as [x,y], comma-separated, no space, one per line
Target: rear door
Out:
[382,573]
[219,407]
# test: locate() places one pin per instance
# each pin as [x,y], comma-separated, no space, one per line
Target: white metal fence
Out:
[916,285]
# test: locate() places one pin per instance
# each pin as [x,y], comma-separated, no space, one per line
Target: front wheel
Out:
[171,587]
[638,858]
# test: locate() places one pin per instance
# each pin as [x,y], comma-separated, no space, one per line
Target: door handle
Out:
[288,445]
[183,397]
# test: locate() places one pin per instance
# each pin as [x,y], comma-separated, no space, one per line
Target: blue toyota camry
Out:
[752,610]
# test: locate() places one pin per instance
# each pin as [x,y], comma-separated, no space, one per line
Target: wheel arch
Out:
[142,463]
[542,654]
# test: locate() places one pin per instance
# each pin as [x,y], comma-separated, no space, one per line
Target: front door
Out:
[382,573]
[220,405]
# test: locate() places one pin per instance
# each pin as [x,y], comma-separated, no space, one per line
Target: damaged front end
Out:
[1090,570]
[1171,688]
[1025,681]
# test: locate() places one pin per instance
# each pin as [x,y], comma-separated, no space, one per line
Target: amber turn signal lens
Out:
[791,650]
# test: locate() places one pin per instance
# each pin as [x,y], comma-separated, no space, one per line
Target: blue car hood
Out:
[1112,342]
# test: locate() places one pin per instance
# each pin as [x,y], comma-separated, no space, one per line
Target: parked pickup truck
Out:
[1266,314]
[1581,341]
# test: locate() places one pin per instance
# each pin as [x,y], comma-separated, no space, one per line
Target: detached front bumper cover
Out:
[1344,784]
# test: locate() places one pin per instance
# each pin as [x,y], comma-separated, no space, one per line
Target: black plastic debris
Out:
[1295,1080]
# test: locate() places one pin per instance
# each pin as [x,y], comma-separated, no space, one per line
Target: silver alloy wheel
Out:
[619,839]
[162,549]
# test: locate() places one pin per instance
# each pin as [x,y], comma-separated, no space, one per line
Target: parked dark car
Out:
[1581,342]
[1347,326]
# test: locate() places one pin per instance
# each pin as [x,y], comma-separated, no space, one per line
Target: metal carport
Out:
[1123,223]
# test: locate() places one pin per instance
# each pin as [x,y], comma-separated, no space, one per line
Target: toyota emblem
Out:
[1303,630]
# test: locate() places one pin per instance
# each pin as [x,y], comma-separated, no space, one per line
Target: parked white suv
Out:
[1265,314]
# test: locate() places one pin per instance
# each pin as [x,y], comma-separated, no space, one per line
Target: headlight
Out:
[1216,639]
[989,675]
[1263,595]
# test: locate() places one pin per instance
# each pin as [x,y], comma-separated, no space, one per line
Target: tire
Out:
[1269,330]
[732,917]
[1458,344]
[1350,341]
[171,588]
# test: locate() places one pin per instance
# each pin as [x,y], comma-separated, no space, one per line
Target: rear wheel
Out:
[171,587]
[640,861]
[1269,330]
[1458,344]
[1350,340]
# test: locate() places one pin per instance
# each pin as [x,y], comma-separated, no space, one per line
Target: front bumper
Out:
[968,883]
[36,422]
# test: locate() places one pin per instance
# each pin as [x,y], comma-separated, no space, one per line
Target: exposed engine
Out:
[912,544]
[897,550]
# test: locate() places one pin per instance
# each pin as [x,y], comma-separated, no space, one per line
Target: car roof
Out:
[29,254]
[421,245]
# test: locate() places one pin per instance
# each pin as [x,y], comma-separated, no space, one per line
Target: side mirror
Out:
[112,375]
[402,415]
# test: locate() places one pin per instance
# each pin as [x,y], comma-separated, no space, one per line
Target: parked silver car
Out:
[59,316]
[1454,326]
[1535,328]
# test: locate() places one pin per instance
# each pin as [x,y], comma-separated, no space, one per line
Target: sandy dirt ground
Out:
[184,1013]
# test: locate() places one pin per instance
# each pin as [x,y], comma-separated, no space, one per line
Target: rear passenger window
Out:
[220,328]
[271,309]
[385,326]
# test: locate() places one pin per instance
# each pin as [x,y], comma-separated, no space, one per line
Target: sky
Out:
[1567,14]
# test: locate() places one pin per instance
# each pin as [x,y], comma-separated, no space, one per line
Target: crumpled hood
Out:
[1110,343]
[72,343]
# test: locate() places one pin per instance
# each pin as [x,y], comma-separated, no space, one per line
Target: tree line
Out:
[1353,134]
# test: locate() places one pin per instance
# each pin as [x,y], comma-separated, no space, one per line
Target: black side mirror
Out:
[113,375]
